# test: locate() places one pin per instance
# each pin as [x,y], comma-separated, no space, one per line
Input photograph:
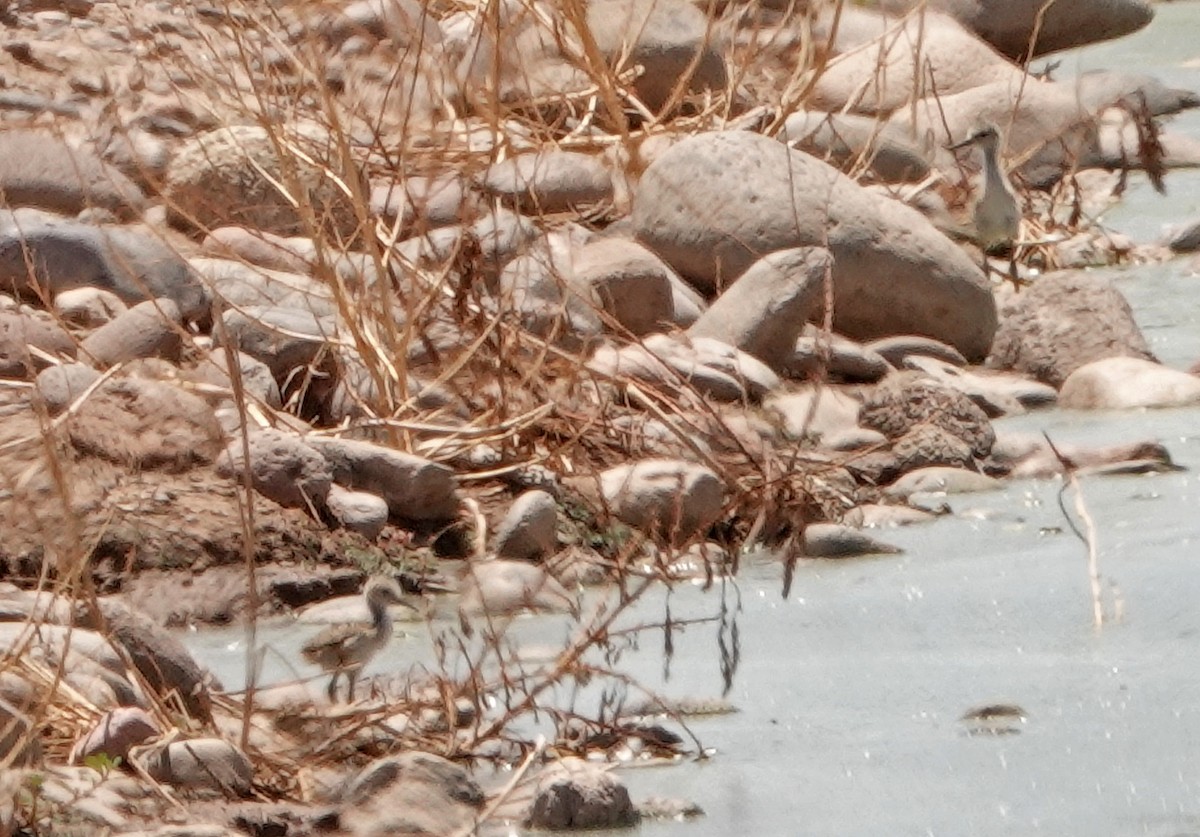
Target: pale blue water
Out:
[850,691]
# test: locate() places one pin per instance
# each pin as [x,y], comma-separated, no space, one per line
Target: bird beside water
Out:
[997,213]
[346,649]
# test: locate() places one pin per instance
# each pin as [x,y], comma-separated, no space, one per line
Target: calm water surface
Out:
[850,691]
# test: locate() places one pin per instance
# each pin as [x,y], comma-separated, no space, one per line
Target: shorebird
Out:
[346,649]
[997,213]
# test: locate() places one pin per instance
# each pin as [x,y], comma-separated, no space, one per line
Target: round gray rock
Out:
[1009,25]
[132,263]
[116,733]
[672,39]
[670,498]
[713,204]
[530,528]
[88,307]
[58,386]
[202,764]
[575,796]
[833,540]
[413,487]
[358,511]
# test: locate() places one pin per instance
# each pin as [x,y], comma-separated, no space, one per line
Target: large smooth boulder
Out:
[202,764]
[1121,383]
[713,204]
[701,366]
[549,181]
[58,386]
[817,412]
[833,540]
[42,254]
[1010,25]
[630,283]
[282,338]
[281,467]
[1099,89]
[926,55]
[235,284]
[848,139]
[1065,320]
[358,511]
[148,329]
[117,731]
[160,658]
[672,39]
[528,530]
[41,169]
[1044,125]
[997,394]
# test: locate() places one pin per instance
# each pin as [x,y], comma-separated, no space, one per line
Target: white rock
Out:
[1119,383]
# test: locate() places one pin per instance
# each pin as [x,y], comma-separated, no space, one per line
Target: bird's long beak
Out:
[956,146]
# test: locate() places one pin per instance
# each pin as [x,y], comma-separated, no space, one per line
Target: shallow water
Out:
[850,691]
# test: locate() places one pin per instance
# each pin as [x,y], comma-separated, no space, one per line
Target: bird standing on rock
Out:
[997,213]
[346,649]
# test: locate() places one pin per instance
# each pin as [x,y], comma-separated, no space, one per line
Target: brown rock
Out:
[143,423]
[904,402]
[412,793]
[1064,321]
[282,467]
[23,337]
[227,177]
[575,795]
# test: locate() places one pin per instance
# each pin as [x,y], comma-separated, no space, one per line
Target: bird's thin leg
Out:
[331,690]
[352,676]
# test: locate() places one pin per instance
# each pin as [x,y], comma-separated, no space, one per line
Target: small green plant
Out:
[102,763]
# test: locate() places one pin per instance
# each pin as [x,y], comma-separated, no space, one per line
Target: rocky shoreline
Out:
[503,300]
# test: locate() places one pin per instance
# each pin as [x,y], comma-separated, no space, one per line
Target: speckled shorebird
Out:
[997,213]
[346,649]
